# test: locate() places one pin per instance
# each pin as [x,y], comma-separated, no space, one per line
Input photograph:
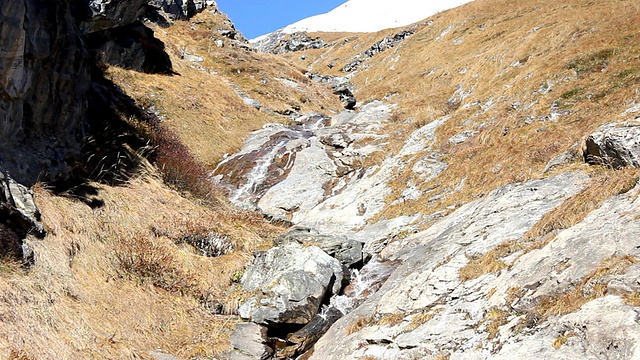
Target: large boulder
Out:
[292,281]
[249,343]
[347,251]
[615,145]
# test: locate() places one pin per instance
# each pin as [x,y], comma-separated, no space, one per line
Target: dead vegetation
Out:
[112,282]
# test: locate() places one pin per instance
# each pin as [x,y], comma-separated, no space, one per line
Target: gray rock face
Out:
[380,46]
[17,205]
[42,88]
[615,145]
[440,313]
[293,280]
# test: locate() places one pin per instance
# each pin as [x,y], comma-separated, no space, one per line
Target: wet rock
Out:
[615,145]
[337,140]
[303,339]
[293,280]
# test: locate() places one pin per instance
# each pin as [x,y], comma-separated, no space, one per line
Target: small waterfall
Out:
[257,175]
[364,282]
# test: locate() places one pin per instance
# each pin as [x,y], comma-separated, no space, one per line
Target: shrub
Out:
[150,261]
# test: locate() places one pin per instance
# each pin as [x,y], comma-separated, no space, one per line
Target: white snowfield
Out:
[370,16]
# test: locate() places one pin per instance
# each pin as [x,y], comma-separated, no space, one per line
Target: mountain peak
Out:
[369,16]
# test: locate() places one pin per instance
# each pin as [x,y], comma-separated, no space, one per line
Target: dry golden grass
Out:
[199,102]
[561,340]
[632,299]
[485,264]
[111,283]
[420,319]
[591,287]
[603,185]
[359,324]
[493,319]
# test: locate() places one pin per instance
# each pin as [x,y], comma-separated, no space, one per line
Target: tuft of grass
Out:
[421,318]
[591,287]
[493,319]
[359,324]
[594,62]
[604,184]
[150,261]
[562,339]
[391,319]
[489,262]
[632,299]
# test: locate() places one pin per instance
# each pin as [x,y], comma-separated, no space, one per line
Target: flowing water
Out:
[364,282]
[257,175]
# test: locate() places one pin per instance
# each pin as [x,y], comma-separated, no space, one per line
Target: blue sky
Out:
[257,17]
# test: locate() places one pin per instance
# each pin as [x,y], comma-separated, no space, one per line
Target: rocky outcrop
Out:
[292,281]
[182,9]
[249,342]
[380,46]
[341,87]
[347,251]
[18,207]
[49,73]
[615,145]
[132,47]
[298,41]
[549,299]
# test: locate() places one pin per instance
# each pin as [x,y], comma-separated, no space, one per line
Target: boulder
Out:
[345,92]
[348,252]
[292,281]
[615,145]
[434,309]
[18,207]
[298,41]
[249,342]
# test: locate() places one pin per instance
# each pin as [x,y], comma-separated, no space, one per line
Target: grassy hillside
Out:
[526,79]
